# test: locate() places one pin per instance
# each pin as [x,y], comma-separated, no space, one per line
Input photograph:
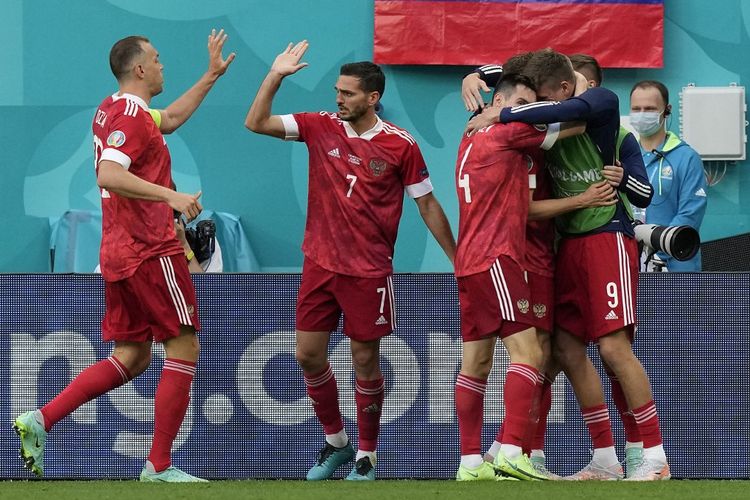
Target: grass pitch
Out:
[380,490]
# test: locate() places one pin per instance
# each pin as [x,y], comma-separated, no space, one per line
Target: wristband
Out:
[189,256]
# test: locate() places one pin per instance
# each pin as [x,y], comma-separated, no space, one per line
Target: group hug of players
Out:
[545,160]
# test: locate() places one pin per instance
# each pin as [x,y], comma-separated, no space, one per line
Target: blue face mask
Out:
[646,123]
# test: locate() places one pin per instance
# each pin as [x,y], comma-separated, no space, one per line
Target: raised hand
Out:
[216,62]
[471,91]
[287,63]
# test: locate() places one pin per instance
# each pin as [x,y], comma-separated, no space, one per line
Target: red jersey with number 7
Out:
[356,191]
[492,183]
[132,230]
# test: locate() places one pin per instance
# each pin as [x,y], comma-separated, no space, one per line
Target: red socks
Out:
[322,390]
[648,424]
[92,382]
[172,399]
[519,394]
[632,434]
[470,411]
[545,405]
[369,398]
[600,429]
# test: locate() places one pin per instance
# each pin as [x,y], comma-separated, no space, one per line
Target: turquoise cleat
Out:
[363,471]
[33,439]
[329,459]
[168,475]
[633,460]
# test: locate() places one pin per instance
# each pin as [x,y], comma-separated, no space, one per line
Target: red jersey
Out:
[132,230]
[492,182]
[355,191]
[540,234]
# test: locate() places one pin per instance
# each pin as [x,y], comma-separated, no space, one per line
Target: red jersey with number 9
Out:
[492,183]
[356,191]
[132,230]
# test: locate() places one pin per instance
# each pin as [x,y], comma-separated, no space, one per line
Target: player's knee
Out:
[477,367]
[613,354]
[364,359]
[310,361]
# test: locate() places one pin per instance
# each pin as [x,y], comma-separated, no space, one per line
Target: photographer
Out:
[674,169]
[201,247]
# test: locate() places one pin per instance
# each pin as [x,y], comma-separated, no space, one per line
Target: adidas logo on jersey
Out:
[701,192]
[611,315]
[381,320]
[334,152]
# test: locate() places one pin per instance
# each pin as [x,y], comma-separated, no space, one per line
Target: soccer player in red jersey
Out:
[360,166]
[149,295]
[492,184]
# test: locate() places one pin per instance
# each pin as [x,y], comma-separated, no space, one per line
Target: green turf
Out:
[380,490]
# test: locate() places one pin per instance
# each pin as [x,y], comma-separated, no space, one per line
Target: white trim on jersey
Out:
[291,129]
[532,105]
[366,135]
[489,69]
[626,296]
[117,156]
[420,189]
[553,132]
[391,129]
[131,97]
[532,181]
[503,294]
[178,299]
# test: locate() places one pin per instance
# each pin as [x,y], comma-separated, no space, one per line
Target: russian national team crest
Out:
[116,139]
[540,310]
[378,166]
[523,306]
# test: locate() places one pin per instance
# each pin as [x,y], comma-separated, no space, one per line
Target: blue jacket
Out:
[676,172]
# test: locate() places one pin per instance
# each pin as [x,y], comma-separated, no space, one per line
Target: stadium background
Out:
[693,339]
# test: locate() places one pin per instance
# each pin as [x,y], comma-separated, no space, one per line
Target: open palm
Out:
[287,63]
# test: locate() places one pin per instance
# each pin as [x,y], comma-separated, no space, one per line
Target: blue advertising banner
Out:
[249,416]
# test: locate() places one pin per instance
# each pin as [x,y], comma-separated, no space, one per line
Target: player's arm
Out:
[692,201]
[434,218]
[113,177]
[634,180]
[600,194]
[180,110]
[482,79]
[259,118]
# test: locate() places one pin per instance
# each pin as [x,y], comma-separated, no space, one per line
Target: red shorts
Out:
[367,303]
[494,302]
[151,304]
[542,290]
[595,285]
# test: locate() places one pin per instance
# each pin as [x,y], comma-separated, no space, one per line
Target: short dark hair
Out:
[587,62]
[508,82]
[547,66]
[645,84]
[370,75]
[124,52]
[517,63]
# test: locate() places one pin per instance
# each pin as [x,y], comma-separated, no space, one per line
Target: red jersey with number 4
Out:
[540,234]
[356,191]
[132,230]
[492,182]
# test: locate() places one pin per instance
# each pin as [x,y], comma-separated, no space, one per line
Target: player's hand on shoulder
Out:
[489,116]
[472,87]
[216,62]
[288,62]
[184,203]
